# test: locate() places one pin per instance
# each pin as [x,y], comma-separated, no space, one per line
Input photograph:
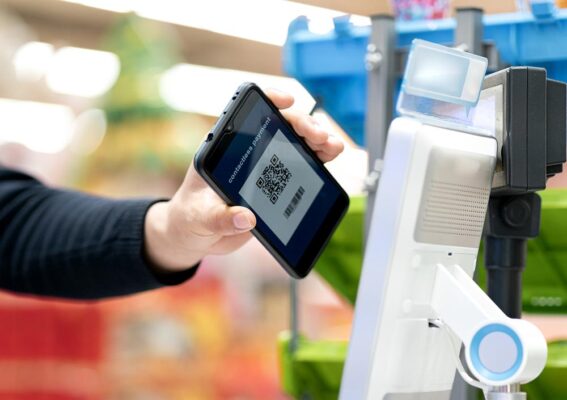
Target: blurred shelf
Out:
[63,23]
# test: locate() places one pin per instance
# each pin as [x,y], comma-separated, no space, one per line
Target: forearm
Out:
[67,244]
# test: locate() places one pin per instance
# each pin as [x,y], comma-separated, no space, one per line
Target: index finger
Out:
[281,100]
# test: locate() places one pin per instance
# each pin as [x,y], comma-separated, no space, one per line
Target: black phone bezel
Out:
[213,149]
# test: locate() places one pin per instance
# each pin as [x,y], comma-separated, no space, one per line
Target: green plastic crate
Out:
[544,280]
[314,370]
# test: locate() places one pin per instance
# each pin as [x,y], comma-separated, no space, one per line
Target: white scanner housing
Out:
[420,258]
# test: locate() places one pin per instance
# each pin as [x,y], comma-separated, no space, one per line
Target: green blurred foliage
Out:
[146,49]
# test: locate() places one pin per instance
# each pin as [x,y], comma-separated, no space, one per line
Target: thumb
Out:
[224,220]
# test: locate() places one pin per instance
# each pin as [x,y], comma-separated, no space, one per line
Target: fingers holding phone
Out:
[301,201]
[281,100]
[223,220]
[326,146]
[269,162]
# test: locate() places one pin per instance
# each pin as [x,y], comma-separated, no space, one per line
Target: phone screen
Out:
[281,187]
[262,166]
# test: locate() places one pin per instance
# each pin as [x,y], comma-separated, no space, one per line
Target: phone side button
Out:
[209,137]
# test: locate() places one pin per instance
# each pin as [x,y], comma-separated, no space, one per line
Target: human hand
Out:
[197,222]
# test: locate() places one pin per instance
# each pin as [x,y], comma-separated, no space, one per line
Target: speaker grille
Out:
[455,198]
[455,209]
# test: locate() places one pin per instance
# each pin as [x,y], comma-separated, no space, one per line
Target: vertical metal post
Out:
[512,220]
[380,64]
[505,262]
[294,302]
[468,36]
[293,315]
[469,30]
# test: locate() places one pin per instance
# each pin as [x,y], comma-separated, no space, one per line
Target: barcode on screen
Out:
[294,202]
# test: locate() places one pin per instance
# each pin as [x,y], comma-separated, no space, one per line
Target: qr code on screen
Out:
[274,179]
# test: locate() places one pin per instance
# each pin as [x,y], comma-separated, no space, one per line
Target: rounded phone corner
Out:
[346,198]
[299,275]
[199,160]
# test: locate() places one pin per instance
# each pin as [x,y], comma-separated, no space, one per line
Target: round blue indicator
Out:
[475,356]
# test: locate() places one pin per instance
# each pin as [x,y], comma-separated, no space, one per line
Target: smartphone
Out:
[254,158]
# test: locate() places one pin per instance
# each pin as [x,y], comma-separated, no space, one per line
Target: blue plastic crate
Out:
[331,66]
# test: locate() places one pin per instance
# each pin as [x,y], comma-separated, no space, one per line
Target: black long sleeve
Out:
[68,244]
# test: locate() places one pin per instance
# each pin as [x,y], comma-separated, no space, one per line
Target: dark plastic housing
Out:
[533,140]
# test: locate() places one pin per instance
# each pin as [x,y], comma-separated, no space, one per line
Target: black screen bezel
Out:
[221,141]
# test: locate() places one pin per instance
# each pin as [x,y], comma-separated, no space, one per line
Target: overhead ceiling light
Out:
[206,90]
[41,127]
[69,70]
[265,21]
[32,60]
[82,72]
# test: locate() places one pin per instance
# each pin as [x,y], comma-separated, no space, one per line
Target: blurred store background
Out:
[112,97]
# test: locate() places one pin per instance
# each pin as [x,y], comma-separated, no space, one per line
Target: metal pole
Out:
[469,30]
[293,316]
[380,63]
[512,220]
[505,262]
